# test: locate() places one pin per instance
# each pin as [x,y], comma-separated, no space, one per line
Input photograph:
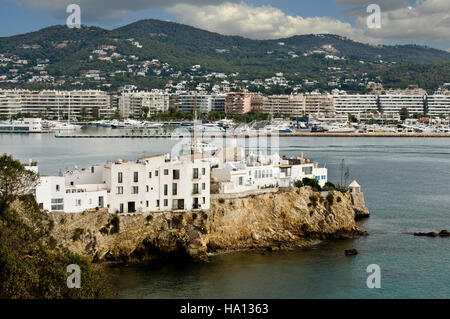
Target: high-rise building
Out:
[291,105]
[317,103]
[134,103]
[242,103]
[439,103]
[355,104]
[53,102]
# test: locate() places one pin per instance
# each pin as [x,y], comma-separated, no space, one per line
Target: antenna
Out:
[194,146]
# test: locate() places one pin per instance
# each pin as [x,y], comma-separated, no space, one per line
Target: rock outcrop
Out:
[284,220]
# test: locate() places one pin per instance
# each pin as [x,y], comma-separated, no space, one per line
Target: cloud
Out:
[354,8]
[101,10]
[263,22]
[427,19]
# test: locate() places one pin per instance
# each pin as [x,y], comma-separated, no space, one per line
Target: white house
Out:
[157,183]
[259,172]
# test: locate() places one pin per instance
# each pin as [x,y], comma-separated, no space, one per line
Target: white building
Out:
[393,103]
[355,104]
[132,103]
[204,103]
[157,183]
[259,172]
[439,103]
[52,102]
[154,183]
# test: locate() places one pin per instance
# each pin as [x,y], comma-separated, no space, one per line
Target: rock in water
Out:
[444,233]
[351,252]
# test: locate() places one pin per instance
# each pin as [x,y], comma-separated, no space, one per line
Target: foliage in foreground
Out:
[29,266]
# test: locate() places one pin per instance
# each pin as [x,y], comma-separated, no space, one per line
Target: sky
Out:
[424,22]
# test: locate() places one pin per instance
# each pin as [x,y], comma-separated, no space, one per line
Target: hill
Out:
[128,55]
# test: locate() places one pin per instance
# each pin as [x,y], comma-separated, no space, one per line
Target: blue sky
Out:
[424,22]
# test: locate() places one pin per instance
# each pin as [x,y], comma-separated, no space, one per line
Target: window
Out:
[121,208]
[166,203]
[146,203]
[241,181]
[119,177]
[204,200]
[149,174]
[166,172]
[78,202]
[203,171]
[119,190]
[203,186]
[57,188]
[157,203]
[136,177]
[57,204]
[92,169]
[195,188]
[90,201]
[176,174]
[174,189]
[147,188]
[165,189]
[135,190]
[195,173]
[156,173]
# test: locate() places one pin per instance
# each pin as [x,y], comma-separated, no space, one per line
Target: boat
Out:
[200,147]
[27,125]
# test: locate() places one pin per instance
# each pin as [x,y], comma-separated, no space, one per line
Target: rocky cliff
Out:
[283,220]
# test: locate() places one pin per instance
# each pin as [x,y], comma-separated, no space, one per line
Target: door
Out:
[131,207]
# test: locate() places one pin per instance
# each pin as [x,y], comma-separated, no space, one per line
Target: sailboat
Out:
[61,126]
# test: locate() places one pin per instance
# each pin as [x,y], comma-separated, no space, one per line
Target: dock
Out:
[295,134]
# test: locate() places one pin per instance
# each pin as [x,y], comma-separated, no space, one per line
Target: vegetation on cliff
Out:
[29,267]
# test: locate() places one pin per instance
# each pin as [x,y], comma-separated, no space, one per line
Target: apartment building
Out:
[242,103]
[157,183]
[53,102]
[133,103]
[289,105]
[317,103]
[355,104]
[393,102]
[10,103]
[203,102]
[154,183]
[439,103]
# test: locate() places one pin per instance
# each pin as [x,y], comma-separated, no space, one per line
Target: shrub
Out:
[149,218]
[330,198]
[221,200]
[342,189]
[339,199]
[313,183]
[77,234]
[314,199]
[329,186]
[115,222]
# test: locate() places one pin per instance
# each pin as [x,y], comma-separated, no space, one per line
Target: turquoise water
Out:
[407,188]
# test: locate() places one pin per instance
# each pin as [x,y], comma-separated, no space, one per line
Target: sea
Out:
[406,183]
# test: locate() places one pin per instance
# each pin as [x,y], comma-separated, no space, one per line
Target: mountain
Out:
[321,58]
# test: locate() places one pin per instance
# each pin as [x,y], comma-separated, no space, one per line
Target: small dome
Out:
[354,184]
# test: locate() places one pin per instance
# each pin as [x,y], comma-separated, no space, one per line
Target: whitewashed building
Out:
[154,183]
[157,183]
[259,172]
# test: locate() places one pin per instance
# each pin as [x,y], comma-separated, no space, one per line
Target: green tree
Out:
[15,180]
[404,114]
